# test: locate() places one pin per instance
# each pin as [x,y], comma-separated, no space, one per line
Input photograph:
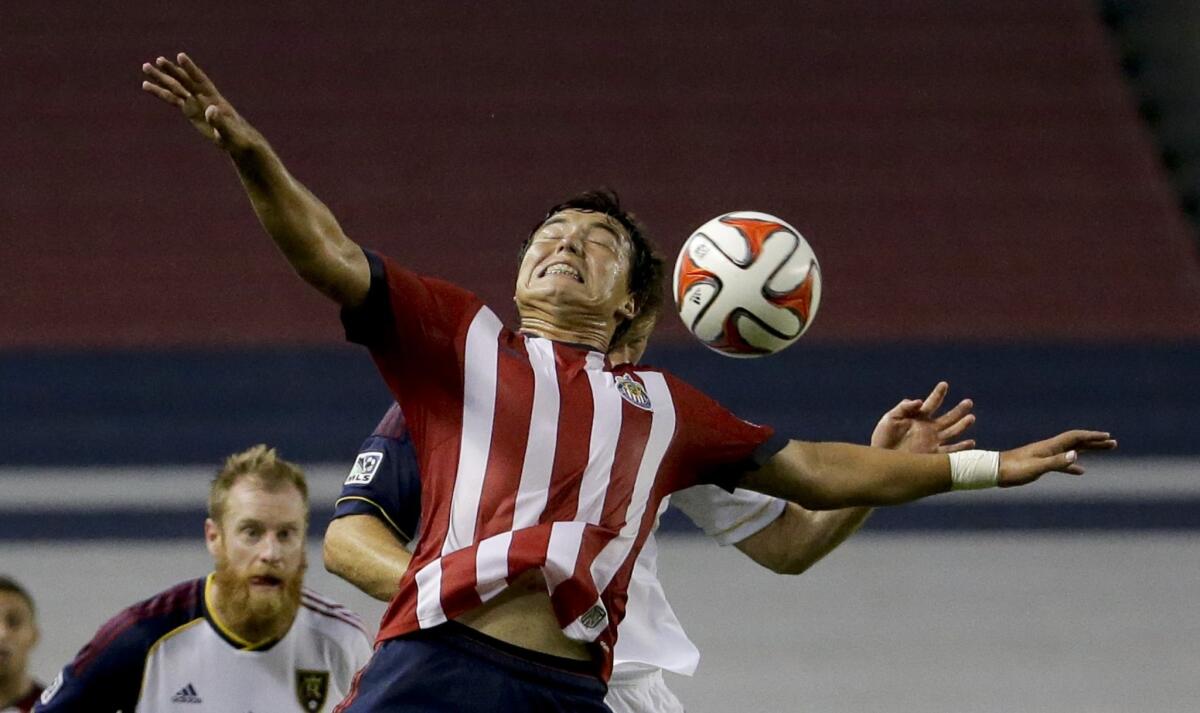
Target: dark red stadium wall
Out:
[966,170]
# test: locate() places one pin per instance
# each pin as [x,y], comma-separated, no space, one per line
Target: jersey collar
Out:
[228,634]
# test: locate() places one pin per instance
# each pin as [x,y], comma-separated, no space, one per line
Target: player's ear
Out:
[212,535]
[628,309]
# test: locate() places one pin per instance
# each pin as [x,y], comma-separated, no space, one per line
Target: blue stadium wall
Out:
[117,408]
[73,412]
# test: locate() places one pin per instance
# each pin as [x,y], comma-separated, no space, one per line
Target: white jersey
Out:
[651,636]
[172,650]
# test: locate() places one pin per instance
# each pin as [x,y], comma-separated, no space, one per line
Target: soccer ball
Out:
[747,284]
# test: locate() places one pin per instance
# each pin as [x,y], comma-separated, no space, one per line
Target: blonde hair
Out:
[260,462]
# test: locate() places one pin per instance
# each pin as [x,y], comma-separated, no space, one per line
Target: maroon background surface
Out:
[966,170]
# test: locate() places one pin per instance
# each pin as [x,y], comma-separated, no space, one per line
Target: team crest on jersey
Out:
[365,466]
[633,392]
[593,617]
[312,687]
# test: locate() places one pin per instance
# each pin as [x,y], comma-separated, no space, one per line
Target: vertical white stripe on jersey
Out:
[479,409]
[543,435]
[602,448]
[614,554]
[566,539]
[491,565]
[429,594]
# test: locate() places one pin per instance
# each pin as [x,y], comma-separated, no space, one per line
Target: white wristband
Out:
[970,470]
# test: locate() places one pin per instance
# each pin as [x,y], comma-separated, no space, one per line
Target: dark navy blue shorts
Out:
[452,667]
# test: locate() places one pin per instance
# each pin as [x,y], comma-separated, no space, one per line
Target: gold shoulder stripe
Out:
[407,537]
[154,647]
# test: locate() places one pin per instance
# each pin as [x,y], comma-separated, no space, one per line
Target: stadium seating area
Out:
[971,174]
[986,204]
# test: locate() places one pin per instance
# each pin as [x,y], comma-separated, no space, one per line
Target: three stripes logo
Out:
[187,694]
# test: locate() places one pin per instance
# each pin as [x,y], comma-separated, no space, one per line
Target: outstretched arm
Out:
[302,226]
[800,538]
[825,476]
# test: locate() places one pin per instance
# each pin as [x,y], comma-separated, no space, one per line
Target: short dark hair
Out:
[8,584]
[646,266]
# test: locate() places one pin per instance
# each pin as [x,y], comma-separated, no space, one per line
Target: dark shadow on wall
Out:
[316,405]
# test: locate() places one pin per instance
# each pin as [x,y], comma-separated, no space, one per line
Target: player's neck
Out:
[591,338]
[569,323]
[14,688]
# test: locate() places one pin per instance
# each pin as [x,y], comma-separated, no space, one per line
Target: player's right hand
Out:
[914,426]
[1061,453]
[183,84]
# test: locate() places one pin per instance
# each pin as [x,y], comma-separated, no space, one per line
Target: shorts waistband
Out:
[517,658]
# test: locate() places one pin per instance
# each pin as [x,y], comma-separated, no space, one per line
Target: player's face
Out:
[18,635]
[577,267]
[259,548]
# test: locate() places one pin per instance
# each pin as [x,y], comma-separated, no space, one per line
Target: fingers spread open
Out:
[197,75]
[164,80]
[168,97]
[956,428]
[933,401]
[956,447]
[173,69]
[955,414]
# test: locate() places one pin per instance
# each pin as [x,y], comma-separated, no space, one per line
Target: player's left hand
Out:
[183,84]
[1061,453]
[914,426]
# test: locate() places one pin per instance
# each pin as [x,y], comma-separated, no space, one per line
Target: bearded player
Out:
[543,466]
[248,637]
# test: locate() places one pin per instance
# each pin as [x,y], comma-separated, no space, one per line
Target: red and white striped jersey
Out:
[533,454]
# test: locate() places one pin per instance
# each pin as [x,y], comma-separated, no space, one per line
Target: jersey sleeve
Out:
[106,674]
[356,657]
[412,324]
[385,479]
[727,517]
[711,444]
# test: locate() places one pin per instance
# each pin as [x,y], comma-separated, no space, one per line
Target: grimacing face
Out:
[577,264]
[18,635]
[259,550]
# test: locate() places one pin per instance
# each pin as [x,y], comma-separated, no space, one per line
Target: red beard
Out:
[257,616]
